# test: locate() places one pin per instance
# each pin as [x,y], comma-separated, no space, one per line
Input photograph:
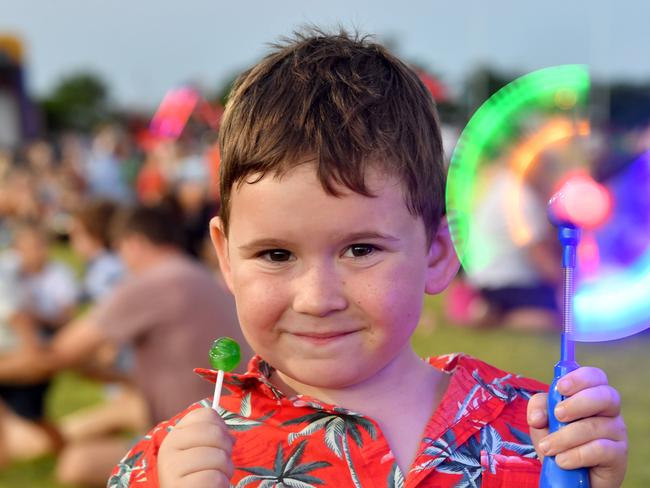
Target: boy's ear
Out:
[443,263]
[220,243]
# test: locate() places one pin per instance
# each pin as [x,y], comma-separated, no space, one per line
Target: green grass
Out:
[626,362]
[68,393]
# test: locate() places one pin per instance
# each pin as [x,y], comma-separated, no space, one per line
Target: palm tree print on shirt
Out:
[241,421]
[285,473]
[121,479]
[337,426]
[478,453]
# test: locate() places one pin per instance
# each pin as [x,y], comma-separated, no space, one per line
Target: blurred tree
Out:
[629,105]
[452,112]
[480,85]
[483,83]
[223,90]
[79,102]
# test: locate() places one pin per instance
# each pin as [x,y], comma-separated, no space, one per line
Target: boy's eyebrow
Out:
[263,243]
[280,243]
[370,235]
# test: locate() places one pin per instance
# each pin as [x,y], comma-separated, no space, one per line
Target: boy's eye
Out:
[360,250]
[276,255]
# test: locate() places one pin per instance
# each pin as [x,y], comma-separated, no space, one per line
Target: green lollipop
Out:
[224,356]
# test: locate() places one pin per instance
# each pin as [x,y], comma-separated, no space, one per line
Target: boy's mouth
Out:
[322,337]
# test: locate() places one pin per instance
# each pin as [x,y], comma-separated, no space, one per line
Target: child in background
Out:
[48,288]
[124,408]
[45,294]
[90,239]
[331,230]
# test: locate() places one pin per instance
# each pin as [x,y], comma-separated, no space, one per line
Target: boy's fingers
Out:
[582,432]
[203,459]
[200,415]
[601,452]
[537,419]
[212,478]
[581,379]
[600,400]
[606,458]
[202,435]
[537,411]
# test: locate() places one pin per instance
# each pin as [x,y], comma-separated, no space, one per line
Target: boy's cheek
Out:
[260,311]
[252,291]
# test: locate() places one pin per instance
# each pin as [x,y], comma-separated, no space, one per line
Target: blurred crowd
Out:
[106,267]
[47,181]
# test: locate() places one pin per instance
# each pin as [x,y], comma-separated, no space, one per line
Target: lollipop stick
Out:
[217,389]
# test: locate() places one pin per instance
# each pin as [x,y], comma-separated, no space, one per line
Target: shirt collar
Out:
[466,381]
[258,374]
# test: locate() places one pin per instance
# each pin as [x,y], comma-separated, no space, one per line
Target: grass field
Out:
[626,362]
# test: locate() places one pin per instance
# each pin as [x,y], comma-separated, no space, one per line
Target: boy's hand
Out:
[596,437]
[197,452]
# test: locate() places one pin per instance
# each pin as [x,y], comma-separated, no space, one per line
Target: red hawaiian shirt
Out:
[477,437]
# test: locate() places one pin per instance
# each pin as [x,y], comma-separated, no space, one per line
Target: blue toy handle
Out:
[552,475]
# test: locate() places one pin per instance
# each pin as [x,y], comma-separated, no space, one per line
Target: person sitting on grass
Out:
[40,296]
[166,308]
[331,231]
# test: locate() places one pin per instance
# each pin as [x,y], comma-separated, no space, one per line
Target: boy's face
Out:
[329,289]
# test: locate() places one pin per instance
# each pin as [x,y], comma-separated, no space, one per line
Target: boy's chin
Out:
[325,374]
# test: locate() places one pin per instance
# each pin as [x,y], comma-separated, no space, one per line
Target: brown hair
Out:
[346,103]
[160,224]
[95,217]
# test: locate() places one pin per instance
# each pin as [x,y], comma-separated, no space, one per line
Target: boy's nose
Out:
[318,292]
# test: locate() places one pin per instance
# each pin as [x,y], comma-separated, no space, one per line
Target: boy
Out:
[330,232]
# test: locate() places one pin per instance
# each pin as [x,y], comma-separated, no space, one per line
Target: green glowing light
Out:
[559,89]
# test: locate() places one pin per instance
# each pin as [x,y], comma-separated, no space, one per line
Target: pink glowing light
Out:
[581,201]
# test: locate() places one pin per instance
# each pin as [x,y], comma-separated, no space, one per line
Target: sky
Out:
[142,48]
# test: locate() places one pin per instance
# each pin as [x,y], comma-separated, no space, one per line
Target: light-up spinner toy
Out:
[580,203]
[611,301]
